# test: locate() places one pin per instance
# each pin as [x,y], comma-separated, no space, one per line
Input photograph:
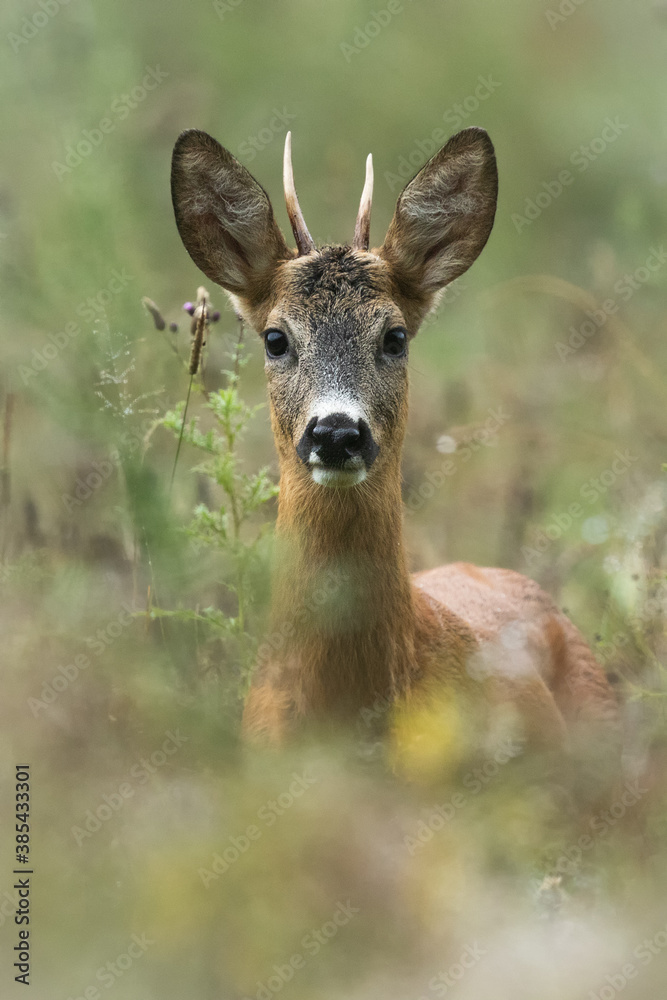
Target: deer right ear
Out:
[443,217]
[225,218]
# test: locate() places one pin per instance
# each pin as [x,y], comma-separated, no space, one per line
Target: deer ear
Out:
[443,216]
[224,217]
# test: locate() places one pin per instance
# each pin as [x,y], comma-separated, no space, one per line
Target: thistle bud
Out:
[155,313]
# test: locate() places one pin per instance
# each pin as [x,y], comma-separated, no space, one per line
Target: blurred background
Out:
[168,862]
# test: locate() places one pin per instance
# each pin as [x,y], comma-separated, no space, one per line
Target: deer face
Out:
[336,321]
[336,361]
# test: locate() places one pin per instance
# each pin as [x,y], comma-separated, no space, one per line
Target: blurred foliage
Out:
[543,365]
[225,528]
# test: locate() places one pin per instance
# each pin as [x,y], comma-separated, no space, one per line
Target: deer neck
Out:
[342,596]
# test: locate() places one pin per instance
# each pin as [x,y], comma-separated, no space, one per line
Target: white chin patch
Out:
[338,477]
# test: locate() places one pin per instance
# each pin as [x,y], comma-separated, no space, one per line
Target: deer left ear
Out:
[443,216]
[225,218]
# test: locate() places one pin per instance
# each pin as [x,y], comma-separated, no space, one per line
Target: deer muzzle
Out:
[338,449]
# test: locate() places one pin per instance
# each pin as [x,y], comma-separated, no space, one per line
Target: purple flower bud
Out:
[189,307]
[215,316]
[173,327]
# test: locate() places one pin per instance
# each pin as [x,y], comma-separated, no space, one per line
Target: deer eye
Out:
[276,343]
[395,342]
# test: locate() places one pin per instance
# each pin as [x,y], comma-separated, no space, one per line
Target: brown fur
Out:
[377,635]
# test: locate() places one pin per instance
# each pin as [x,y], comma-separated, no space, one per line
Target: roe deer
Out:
[337,322]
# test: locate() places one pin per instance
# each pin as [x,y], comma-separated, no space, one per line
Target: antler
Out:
[362,230]
[304,240]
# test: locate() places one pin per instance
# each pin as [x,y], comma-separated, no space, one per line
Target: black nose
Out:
[335,439]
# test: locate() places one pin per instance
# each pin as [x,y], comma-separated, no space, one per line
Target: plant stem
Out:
[180,437]
[237,350]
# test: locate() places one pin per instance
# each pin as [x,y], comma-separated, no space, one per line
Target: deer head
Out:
[337,320]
